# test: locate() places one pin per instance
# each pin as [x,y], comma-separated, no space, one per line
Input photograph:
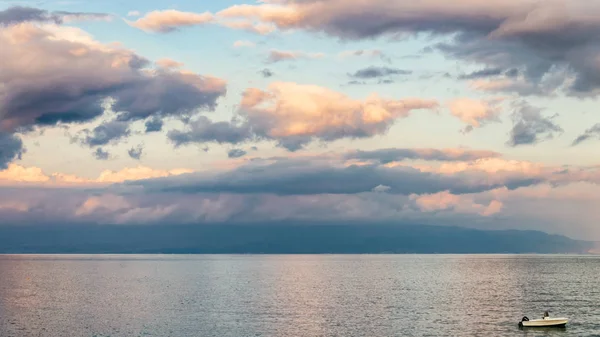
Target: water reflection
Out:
[381,295]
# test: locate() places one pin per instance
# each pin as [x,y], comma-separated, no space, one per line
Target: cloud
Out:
[539,38]
[376,72]
[488,72]
[266,73]
[167,21]
[257,28]
[134,13]
[203,130]
[169,64]
[296,114]
[516,86]
[560,204]
[373,53]
[385,156]
[137,173]
[242,44]
[475,113]
[361,52]
[381,189]
[11,148]
[104,134]
[280,56]
[445,201]
[78,79]
[302,177]
[236,153]
[490,165]
[593,132]
[530,127]
[18,14]
[16,175]
[319,189]
[154,124]
[136,152]
[101,154]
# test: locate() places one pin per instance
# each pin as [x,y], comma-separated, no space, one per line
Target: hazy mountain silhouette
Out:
[279,239]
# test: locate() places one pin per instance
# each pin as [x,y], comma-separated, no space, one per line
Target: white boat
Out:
[558,322]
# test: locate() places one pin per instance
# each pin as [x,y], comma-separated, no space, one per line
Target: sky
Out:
[467,113]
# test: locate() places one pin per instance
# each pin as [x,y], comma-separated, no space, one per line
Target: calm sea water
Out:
[312,295]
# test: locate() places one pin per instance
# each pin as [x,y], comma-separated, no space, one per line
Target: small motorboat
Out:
[544,322]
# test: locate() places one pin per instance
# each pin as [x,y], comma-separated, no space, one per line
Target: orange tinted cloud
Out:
[169,20]
[16,174]
[295,113]
[474,113]
[446,201]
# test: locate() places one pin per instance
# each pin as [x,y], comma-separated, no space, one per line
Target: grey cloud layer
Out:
[293,177]
[385,156]
[538,38]
[18,14]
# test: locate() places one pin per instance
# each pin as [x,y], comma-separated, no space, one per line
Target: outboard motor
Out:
[524,319]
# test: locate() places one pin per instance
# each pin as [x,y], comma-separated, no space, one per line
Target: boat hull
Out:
[545,323]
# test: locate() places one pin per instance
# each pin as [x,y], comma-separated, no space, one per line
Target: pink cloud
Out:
[258,28]
[282,55]
[445,201]
[169,63]
[16,175]
[241,44]
[475,113]
[169,20]
[295,113]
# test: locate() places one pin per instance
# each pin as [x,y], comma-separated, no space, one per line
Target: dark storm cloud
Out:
[103,134]
[293,177]
[385,156]
[530,126]
[136,152]
[236,153]
[376,72]
[203,130]
[11,148]
[154,124]
[593,132]
[101,154]
[18,14]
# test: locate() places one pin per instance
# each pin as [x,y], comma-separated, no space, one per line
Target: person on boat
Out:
[545,315]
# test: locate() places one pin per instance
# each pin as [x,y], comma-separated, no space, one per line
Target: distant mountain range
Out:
[280,239]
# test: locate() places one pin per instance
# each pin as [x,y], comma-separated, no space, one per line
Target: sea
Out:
[296,295]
